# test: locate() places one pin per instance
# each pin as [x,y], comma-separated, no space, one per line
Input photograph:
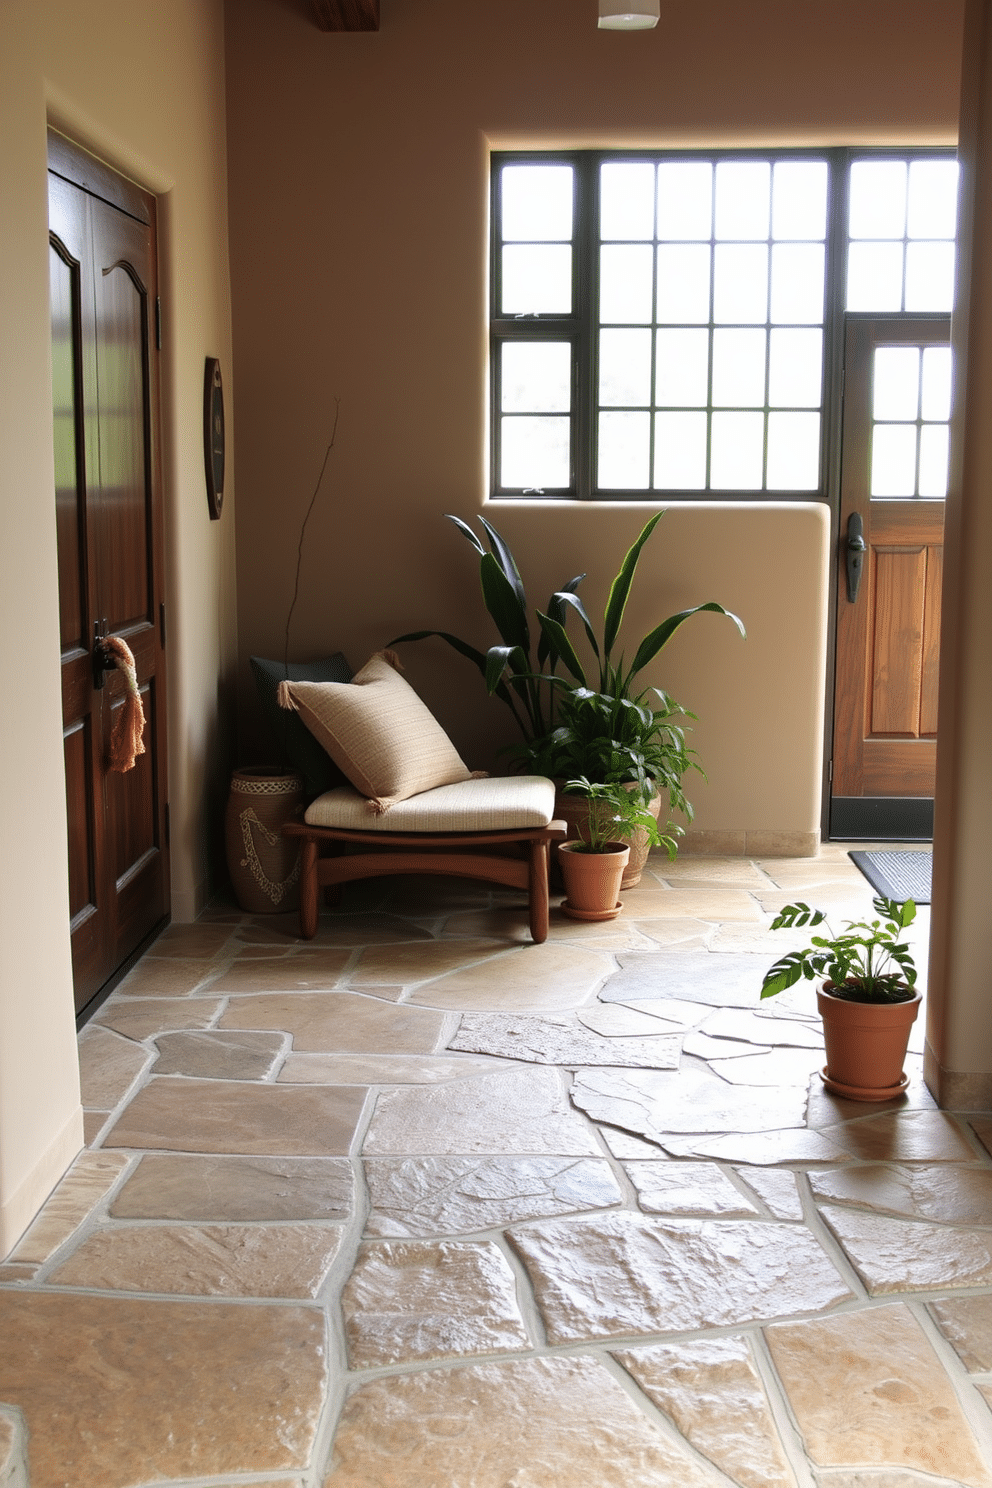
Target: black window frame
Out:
[580,326]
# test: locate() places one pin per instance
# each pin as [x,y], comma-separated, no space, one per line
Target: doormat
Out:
[897,875]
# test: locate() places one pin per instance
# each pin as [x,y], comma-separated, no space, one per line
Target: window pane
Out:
[936,400]
[534,452]
[929,276]
[684,283]
[933,199]
[793,451]
[736,451]
[934,446]
[627,201]
[624,451]
[680,451]
[740,282]
[896,383]
[682,365]
[874,276]
[795,369]
[797,283]
[739,369]
[536,377]
[625,368]
[743,192]
[685,200]
[878,199]
[625,284]
[893,460]
[537,202]
[537,280]
[799,199]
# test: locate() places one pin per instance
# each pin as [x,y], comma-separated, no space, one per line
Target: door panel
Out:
[888,639]
[110,567]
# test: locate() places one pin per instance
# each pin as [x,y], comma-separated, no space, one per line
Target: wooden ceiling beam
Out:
[346,15]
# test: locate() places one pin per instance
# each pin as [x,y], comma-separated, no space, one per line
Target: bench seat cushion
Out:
[494,804]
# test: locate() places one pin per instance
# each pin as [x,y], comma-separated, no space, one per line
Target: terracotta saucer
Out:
[864,1092]
[591,914]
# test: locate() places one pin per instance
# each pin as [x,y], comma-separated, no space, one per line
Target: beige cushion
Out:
[378,732]
[498,804]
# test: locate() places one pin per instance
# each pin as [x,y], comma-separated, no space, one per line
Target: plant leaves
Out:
[466,531]
[562,646]
[508,614]
[572,601]
[662,634]
[620,588]
[506,562]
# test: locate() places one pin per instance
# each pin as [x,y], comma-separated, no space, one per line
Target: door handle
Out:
[856,547]
[102,661]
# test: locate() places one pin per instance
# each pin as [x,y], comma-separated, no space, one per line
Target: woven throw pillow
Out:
[376,729]
[297,746]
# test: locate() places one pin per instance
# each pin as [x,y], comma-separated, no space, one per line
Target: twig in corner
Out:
[299,551]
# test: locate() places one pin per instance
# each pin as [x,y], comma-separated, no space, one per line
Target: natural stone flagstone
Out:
[897,1255]
[622,1273]
[226,1116]
[205,1261]
[167,1186]
[615,1020]
[339,1022]
[772,1147]
[779,1067]
[722,980]
[651,1104]
[108,1065]
[520,1111]
[561,1041]
[218,1056]
[735,1023]
[697,1188]
[532,1424]
[104,1383]
[966,1323]
[89,1180]
[403,964]
[704,1046]
[542,978]
[140,1020]
[904,1136]
[380,1069]
[459,1195]
[713,1393]
[307,972]
[950,1193]
[408,1299]
[868,1390]
[776,1189]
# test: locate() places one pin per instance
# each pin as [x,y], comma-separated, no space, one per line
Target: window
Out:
[670,323]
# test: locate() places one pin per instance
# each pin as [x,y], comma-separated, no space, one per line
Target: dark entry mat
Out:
[897,875]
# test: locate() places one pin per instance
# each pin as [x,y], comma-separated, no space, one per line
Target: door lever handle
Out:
[856,548]
[103,662]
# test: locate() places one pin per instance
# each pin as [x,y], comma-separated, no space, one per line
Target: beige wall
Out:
[359,243]
[144,87]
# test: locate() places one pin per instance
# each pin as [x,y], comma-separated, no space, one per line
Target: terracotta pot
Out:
[866,1045]
[575,811]
[592,880]
[264,866]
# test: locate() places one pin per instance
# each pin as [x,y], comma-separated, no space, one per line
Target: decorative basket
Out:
[264,866]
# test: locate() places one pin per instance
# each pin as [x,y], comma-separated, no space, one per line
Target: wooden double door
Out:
[894,479]
[109,520]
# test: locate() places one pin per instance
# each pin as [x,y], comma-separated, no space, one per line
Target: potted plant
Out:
[592,863]
[868,1000]
[611,733]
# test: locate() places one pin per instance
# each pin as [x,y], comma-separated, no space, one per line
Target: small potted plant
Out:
[592,864]
[868,1000]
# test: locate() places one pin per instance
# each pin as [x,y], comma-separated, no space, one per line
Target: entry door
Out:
[108,511]
[895,455]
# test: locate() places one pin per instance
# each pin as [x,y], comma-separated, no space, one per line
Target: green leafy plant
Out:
[615,814]
[865,963]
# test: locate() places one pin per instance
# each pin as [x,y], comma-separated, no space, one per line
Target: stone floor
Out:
[420,1205]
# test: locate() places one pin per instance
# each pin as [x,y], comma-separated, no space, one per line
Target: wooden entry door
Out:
[109,519]
[896,412]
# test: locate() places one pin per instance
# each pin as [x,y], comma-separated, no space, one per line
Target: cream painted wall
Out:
[143,86]
[359,241]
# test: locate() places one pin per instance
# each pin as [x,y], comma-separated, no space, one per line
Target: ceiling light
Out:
[628,15]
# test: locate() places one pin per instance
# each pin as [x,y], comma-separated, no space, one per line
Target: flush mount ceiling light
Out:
[628,15]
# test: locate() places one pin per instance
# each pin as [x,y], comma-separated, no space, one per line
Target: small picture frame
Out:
[213,436]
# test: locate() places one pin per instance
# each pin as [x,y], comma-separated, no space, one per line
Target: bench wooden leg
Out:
[538,891]
[308,888]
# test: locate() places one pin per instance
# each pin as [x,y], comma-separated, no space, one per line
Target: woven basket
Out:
[264,866]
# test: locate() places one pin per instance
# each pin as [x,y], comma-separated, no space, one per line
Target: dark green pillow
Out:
[299,747]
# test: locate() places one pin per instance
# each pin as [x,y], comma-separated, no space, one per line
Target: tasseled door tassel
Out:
[125,738]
